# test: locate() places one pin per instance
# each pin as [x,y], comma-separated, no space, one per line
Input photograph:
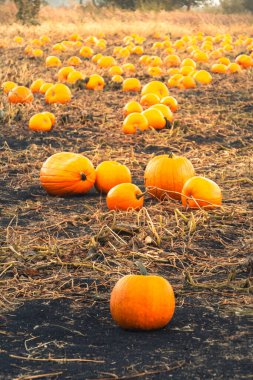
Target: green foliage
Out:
[248,4]
[151,4]
[28,10]
[232,6]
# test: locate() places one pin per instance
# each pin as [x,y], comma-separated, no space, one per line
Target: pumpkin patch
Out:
[125,136]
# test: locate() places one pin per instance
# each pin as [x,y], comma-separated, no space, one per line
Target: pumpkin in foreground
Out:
[201,192]
[124,197]
[110,174]
[165,175]
[142,302]
[67,173]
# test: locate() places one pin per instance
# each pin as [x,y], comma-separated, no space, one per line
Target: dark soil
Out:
[200,343]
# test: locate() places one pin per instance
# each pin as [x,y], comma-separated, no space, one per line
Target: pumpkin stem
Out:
[170,154]
[83,177]
[138,196]
[141,268]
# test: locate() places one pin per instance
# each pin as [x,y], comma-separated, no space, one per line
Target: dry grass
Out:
[49,245]
[91,20]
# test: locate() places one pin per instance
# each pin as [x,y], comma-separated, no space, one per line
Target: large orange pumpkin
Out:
[165,175]
[67,173]
[201,192]
[110,174]
[142,302]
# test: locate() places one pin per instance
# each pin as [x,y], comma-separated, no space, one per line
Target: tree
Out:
[232,6]
[248,4]
[190,3]
[28,10]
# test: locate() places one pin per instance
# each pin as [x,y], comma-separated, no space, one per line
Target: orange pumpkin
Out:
[40,122]
[95,82]
[131,84]
[155,118]
[142,302]
[8,86]
[110,174]
[201,192]
[20,94]
[165,175]
[132,107]
[171,102]
[58,93]
[155,87]
[67,173]
[125,196]
[133,122]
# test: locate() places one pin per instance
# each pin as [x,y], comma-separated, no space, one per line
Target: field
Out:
[60,257]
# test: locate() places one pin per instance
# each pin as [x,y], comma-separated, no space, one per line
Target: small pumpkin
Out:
[133,122]
[165,175]
[125,196]
[110,174]
[142,302]
[67,173]
[20,94]
[40,122]
[58,93]
[131,107]
[131,85]
[201,192]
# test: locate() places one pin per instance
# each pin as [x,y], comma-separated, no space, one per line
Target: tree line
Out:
[27,10]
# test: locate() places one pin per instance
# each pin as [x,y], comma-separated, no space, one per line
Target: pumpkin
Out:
[125,196]
[8,86]
[155,87]
[58,93]
[106,62]
[219,68]
[142,302]
[155,118]
[167,113]
[67,173]
[36,85]
[95,82]
[53,61]
[20,94]
[131,84]
[165,175]
[110,174]
[132,107]
[74,61]
[40,122]
[133,122]
[203,77]
[149,99]
[201,192]
[171,102]
[63,73]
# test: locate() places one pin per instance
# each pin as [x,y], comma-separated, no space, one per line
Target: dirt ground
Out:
[60,257]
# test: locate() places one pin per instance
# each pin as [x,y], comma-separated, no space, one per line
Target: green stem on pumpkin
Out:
[141,268]
[170,154]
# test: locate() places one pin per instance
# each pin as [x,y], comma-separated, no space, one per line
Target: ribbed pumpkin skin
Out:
[166,175]
[67,173]
[142,302]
